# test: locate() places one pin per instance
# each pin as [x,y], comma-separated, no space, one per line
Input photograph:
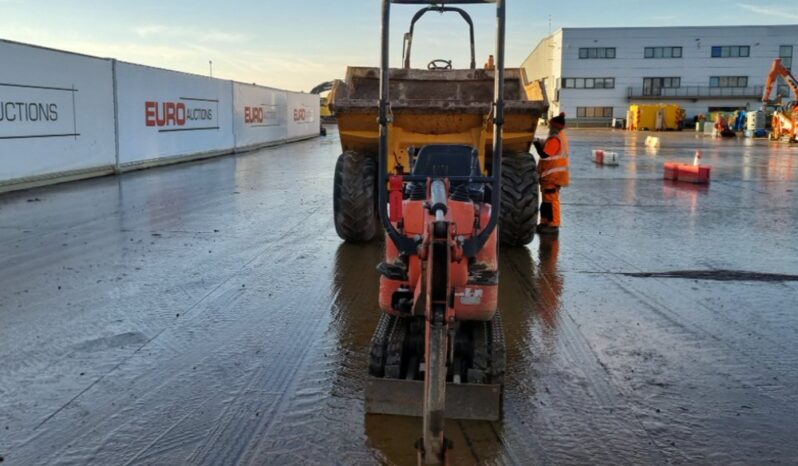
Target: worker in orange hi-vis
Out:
[553,170]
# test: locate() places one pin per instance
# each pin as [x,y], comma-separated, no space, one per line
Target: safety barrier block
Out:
[698,174]
[603,157]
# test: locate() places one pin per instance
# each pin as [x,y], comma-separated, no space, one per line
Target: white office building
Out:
[594,74]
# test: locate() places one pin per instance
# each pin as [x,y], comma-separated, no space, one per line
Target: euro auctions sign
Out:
[261,115]
[303,114]
[28,111]
[182,114]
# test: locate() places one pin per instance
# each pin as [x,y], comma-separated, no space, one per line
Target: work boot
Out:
[546,229]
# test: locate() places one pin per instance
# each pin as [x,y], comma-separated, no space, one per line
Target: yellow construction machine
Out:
[439,105]
[327,116]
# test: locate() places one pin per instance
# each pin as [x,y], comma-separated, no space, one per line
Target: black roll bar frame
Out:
[405,244]
[408,41]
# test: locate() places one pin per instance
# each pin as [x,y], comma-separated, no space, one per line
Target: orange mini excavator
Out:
[431,156]
[785,118]
[438,350]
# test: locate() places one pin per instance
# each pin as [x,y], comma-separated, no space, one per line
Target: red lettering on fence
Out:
[164,113]
[150,110]
[253,115]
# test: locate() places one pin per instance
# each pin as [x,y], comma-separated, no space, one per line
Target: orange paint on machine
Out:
[473,299]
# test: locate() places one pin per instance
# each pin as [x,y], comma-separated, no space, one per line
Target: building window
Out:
[588,83]
[594,112]
[785,53]
[596,52]
[730,51]
[728,81]
[654,86]
[663,52]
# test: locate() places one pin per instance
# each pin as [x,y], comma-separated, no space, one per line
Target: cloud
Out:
[165,47]
[145,54]
[222,37]
[273,68]
[768,11]
[212,36]
[150,30]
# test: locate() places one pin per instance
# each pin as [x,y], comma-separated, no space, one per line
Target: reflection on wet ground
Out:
[207,313]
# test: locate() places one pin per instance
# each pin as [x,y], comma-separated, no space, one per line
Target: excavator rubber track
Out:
[379,341]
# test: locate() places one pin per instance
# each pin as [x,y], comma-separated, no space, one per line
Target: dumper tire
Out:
[520,199]
[354,197]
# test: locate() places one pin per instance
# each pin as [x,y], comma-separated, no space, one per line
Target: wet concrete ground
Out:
[207,313]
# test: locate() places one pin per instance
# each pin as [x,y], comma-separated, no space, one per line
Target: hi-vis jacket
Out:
[554,168]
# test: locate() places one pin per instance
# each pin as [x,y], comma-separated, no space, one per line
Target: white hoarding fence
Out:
[259,115]
[65,116]
[165,114]
[56,114]
[31,111]
[303,115]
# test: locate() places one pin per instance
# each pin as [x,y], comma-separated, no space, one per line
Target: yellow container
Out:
[655,117]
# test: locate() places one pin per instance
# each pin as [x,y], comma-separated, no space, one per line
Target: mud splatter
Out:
[717,275]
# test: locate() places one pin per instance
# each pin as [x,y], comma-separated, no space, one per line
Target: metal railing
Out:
[695,92]
[590,122]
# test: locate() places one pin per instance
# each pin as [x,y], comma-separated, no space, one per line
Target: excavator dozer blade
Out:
[467,401]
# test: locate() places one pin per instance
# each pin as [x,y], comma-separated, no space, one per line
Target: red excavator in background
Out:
[785,118]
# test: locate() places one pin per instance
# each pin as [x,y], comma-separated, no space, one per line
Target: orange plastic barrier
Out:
[698,174]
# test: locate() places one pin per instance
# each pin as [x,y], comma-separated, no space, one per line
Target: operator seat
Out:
[445,160]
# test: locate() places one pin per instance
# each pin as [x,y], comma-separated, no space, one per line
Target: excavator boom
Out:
[776,71]
[785,118]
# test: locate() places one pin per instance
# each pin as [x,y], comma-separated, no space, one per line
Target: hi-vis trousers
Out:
[550,207]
